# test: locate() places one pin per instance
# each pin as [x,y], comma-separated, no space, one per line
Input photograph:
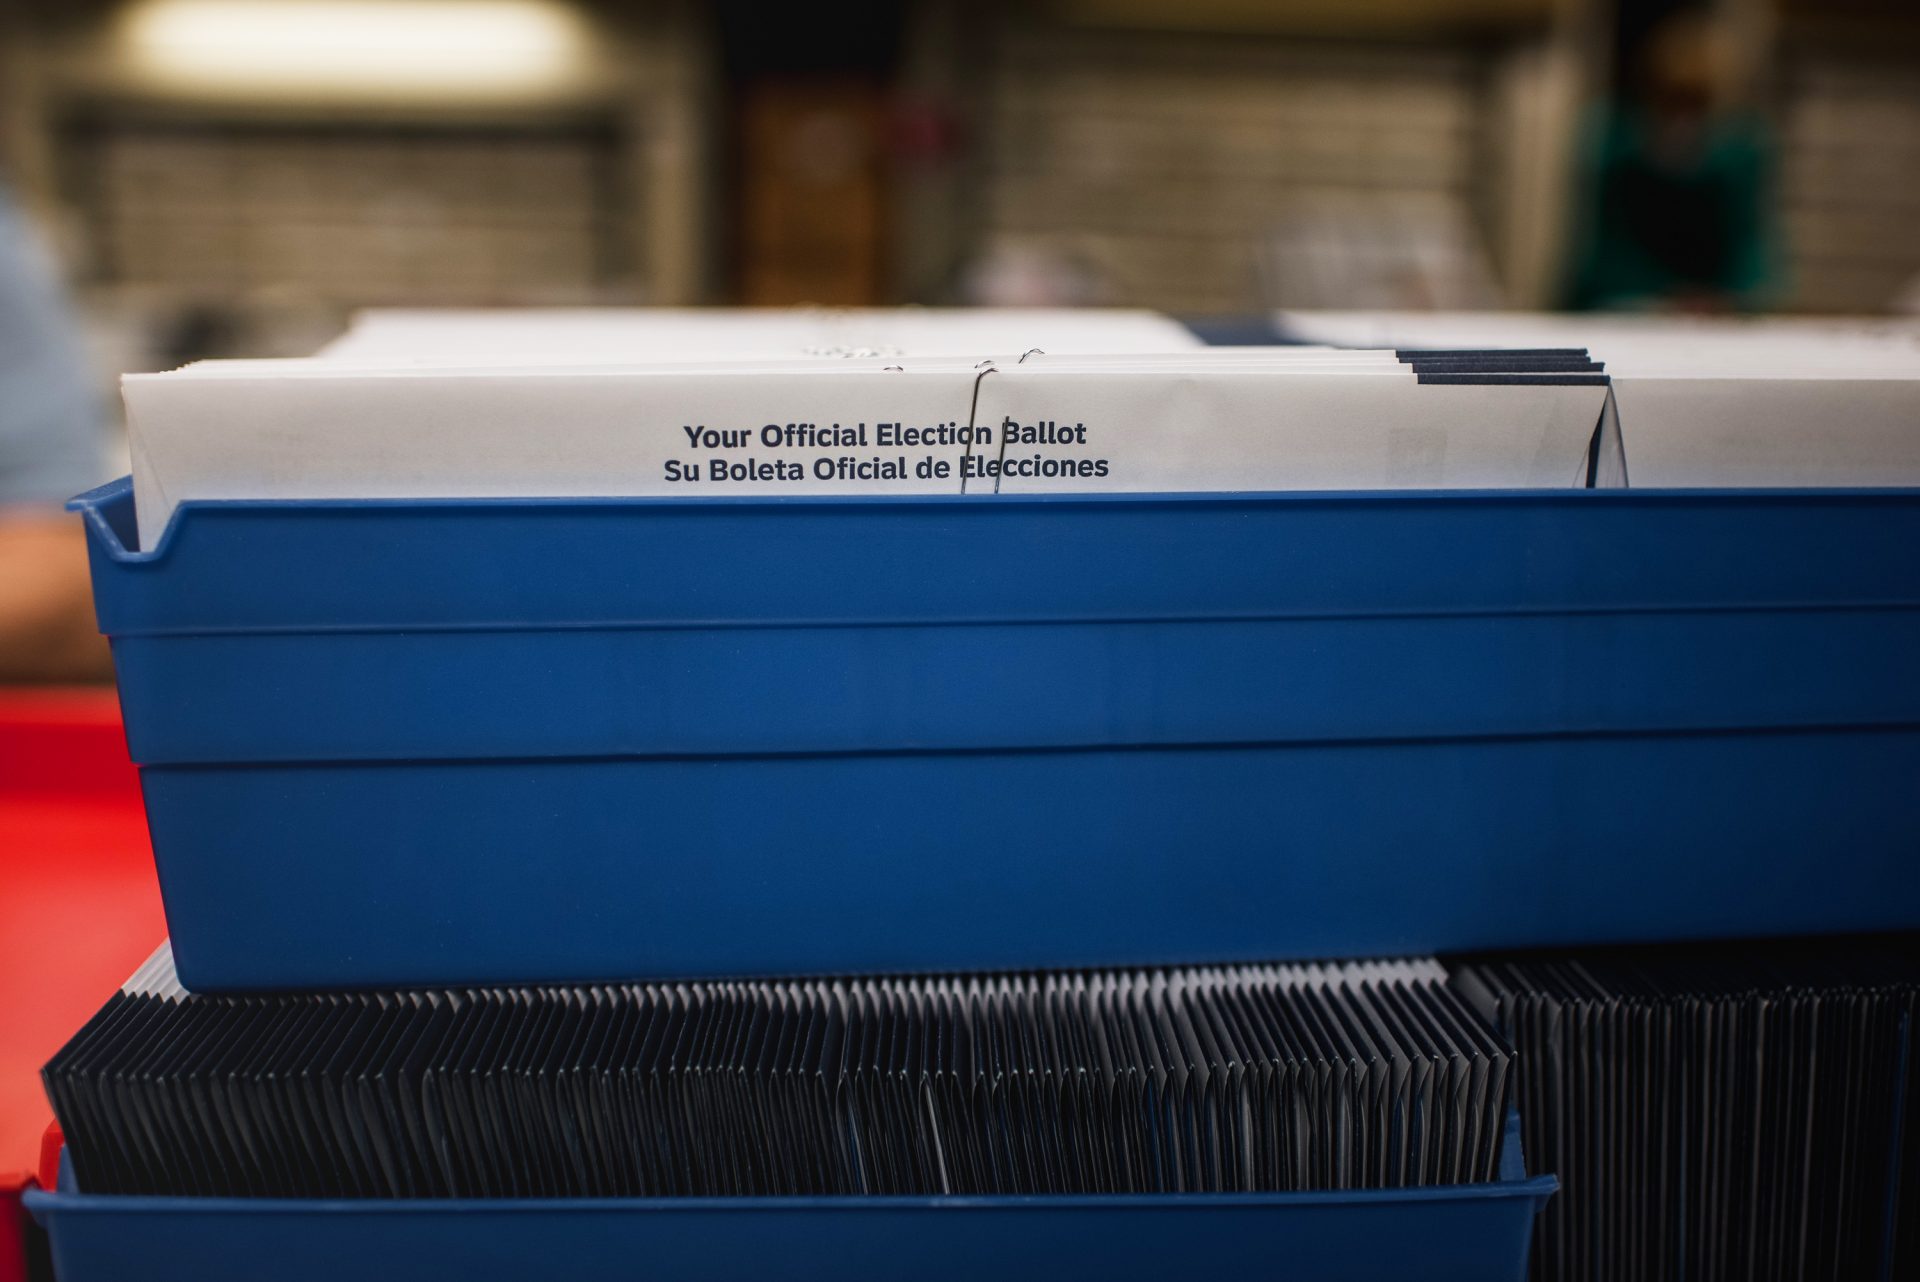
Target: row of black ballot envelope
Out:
[1352,1075]
[1715,1111]
[1737,1111]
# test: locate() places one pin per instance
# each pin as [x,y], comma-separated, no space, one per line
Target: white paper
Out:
[1238,429]
[650,335]
[539,434]
[1714,403]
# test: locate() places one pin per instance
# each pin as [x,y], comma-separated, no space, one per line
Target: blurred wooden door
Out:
[811,192]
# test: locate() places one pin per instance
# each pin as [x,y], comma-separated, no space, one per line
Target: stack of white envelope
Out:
[691,405]
[1713,402]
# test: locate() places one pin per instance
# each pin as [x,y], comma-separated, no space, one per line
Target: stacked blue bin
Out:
[454,742]
[458,742]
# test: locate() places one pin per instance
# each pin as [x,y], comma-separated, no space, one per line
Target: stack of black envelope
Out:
[1207,1079]
[1742,1111]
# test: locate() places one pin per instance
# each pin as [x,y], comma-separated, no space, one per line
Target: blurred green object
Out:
[1677,214]
[1678,184]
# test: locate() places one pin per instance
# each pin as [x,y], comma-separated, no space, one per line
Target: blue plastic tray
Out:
[1459,1233]
[410,743]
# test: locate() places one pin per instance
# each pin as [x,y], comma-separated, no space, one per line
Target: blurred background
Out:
[236,176]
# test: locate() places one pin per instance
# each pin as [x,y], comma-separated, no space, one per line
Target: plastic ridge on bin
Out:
[1459,1233]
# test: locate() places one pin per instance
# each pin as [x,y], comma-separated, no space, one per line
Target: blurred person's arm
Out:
[47,630]
[50,449]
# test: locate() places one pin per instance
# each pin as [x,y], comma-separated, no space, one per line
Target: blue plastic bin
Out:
[1457,1233]
[439,742]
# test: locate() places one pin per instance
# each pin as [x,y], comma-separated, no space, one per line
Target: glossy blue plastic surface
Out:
[457,741]
[1463,1233]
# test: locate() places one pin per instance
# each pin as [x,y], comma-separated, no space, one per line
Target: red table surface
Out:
[79,905]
